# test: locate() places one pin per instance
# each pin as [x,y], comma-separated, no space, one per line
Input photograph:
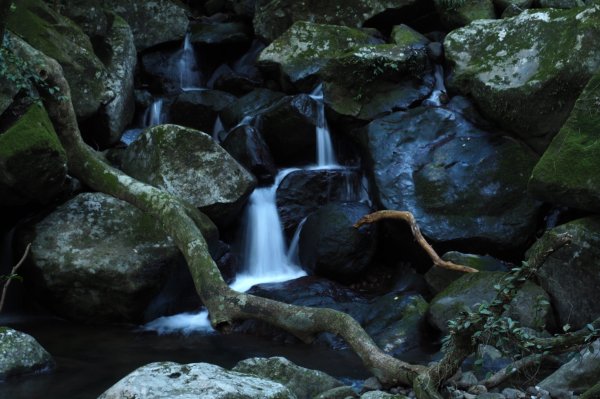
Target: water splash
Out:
[325,153]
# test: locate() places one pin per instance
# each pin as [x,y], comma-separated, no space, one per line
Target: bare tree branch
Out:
[12,273]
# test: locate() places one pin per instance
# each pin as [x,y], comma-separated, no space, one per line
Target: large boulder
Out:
[331,247]
[152,22]
[21,354]
[530,306]
[182,381]
[206,32]
[305,48]
[99,258]
[198,109]
[60,38]
[273,17]
[567,172]
[526,72]
[571,275]
[33,164]
[190,165]
[454,14]
[304,191]
[302,382]
[460,183]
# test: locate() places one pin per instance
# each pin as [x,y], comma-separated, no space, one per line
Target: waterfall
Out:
[155,115]
[187,67]
[325,153]
[217,129]
[439,90]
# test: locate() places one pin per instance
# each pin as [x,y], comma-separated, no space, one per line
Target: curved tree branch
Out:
[13,272]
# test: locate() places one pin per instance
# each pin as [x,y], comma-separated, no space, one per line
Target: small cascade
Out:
[437,97]
[217,129]
[325,154]
[246,64]
[155,115]
[187,66]
[294,253]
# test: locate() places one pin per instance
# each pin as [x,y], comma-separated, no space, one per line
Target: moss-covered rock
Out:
[273,17]
[303,50]
[304,383]
[225,33]
[21,354]
[526,72]
[60,38]
[571,275]
[98,258]
[33,164]
[567,173]
[469,186]
[457,13]
[530,306]
[405,36]
[189,164]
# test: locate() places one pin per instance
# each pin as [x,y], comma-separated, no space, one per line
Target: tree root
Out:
[12,274]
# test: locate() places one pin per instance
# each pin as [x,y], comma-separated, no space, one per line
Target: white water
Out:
[439,89]
[325,153]
[155,114]
[187,67]
[217,129]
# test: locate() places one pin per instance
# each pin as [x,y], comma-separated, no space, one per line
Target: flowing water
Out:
[187,66]
[439,90]
[325,153]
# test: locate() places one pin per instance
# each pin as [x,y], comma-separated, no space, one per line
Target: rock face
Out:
[98,258]
[306,47]
[249,106]
[530,305]
[331,247]
[33,164]
[189,164]
[152,22]
[273,17]
[516,68]
[198,109]
[571,275]
[455,15]
[60,38]
[459,182]
[21,354]
[182,381]
[566,173]
[302,382]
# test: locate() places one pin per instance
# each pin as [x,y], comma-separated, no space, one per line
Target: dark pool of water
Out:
[90,359]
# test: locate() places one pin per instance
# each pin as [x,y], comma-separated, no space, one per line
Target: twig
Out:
[410,219]
[12,273]
[511,370]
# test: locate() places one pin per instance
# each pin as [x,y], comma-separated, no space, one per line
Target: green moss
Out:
[31,132]
[405,36]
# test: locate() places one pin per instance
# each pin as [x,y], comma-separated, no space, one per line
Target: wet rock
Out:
[302,382]
[220,33]
[381,395]
[405,36]
[435,52]
[305,48]
[456,14]
[189,164]
[461,183]
[249,106]
[566,4]
[515,68]
[33,164]
[530,306]
[511,393]
[302,192]
[566,172]
[21,354]
[519,4]
[344,392]
[159,66]
[331,247]
[60,38]
[247,146]
[571,275]
[438,278]
[99,258]
[179,381]
[198,109]
[272,18]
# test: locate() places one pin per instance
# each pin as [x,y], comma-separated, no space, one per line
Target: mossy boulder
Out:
[60,38]
[33,164]
[567,173]
[21,354]
[439,278]
[220,33]
[304,383]
[189,164]
[273,17]
[372,80]
[403,35]
[525,72]
[182,381]
[571,275]
[470,186]
[97,258]
[302,51]
[530,306]
[457,13]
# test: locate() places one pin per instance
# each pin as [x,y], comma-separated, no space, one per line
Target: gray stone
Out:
[189,164]
[302,382]
[344,392]
[185,381]
[511,393]
[21,354]
[381,395]
[454,14]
